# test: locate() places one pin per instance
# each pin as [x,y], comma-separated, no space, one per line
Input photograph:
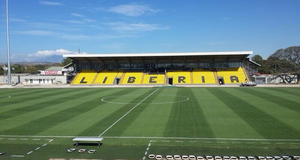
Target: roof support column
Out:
[227,61]
[213,62]
[198,62]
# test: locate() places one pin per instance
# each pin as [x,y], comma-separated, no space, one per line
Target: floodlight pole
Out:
[8,48]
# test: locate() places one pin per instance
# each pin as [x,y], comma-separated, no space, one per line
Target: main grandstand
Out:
[190,68]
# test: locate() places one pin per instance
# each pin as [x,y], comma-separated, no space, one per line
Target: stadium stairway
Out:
[95,78]
[121,76]
[192,77]
[216,77]
[142,79]
[246,74]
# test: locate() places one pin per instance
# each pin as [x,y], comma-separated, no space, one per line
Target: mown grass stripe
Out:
[285,91]
[33,97]
[187,119]
[38,125]
[152,121]
[275,99]
[121,127]
[283,114]
[222,120]
[268,126]
[37,106]
[19,92]
[104,123]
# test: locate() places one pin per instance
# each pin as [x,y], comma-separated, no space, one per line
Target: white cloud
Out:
[63,35]
[132,10]
[17,20]
[50,3]
[89,20]
[35,32]
[120,26]
[77,15]
[226,18]
[48,53]
[74,22]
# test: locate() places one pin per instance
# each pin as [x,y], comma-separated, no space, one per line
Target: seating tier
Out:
[232,75]
[203,77]
[132,78]
[180,77]
[85,77]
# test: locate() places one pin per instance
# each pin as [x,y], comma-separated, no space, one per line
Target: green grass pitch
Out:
[40,123]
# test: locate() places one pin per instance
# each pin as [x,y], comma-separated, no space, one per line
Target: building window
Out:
[31,80]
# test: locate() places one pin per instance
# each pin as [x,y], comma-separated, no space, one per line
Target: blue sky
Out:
[44,28]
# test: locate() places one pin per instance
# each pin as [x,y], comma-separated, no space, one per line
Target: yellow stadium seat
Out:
[180,77]
[203,77]
[85,77]
[106,77]
[154,79]
[232,75]
[132,78]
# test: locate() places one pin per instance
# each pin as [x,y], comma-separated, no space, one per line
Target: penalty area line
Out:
[128,112]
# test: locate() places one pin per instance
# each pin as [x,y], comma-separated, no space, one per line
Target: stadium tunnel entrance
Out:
[221,80]
[170,81]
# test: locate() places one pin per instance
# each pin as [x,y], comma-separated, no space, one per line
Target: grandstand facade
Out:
[191,68]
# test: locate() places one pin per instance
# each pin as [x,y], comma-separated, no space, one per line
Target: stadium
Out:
[152,106]
[59,104]
[191,68]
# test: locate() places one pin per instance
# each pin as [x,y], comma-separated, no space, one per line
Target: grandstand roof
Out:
[162,54]
[160,57]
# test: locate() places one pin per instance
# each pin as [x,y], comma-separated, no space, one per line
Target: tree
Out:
[258,59]
[17,68]
[289,59]
[1,71]
[31,69]
[66,61]
[285,61]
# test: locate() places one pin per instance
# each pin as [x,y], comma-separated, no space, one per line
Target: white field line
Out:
[35,136]
[29,152]
[128,112]
[18,156]
[222,139]
[177,138]
[146,152]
